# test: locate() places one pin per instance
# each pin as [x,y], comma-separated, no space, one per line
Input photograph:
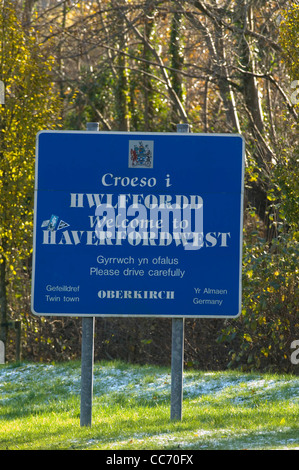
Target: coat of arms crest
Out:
[141,153]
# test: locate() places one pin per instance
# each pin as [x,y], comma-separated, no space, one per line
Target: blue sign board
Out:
[138,224]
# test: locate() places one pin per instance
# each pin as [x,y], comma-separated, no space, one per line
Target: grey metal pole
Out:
[177,366]
[87,360]
[87,351]
[177,350]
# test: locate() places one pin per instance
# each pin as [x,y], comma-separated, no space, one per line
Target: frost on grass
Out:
[146,383]
[35,386]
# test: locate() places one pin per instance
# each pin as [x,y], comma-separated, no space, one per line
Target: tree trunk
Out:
[122,90]
[122,95]
[27,13]
[225,88]
[257,194]
[3,300]
[176,102]
[214,38]
[247,59]
[177,60]
[148,87]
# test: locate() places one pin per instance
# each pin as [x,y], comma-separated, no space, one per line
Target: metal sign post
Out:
[87,361]
[177,351]
[87,350]
[138,224]
[177,368]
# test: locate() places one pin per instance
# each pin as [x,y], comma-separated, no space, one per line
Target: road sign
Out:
[138,224]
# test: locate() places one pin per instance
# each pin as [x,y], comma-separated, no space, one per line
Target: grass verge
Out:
[40,409]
